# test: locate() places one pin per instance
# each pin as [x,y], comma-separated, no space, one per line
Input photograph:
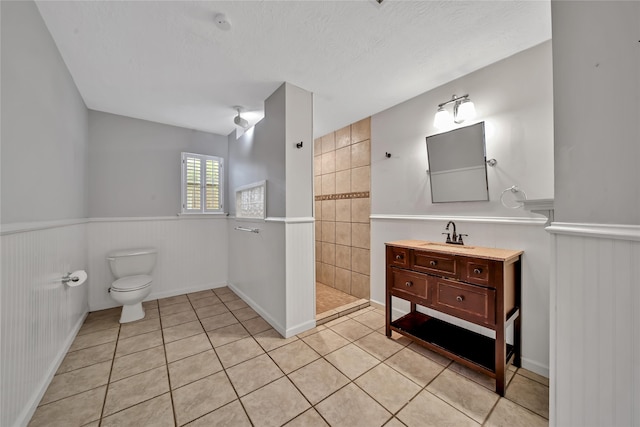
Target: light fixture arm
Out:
[454,98]
[463,109]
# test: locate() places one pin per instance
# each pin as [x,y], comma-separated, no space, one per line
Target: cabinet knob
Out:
[433,263]
[459,298]
[398,257]
[408,284]
[477,270]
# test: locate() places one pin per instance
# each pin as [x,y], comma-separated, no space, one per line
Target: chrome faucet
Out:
[455,239]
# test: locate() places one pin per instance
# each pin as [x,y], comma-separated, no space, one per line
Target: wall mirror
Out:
[457,165]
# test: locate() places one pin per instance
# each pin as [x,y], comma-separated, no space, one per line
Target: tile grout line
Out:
[106,391]
[518,404]
[422,388]
[224,369]
[493,408]
[166,361]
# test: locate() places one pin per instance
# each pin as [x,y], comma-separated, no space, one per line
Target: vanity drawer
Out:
[398,256]
[435,263]
[478,271]
[408,285]
[473,303]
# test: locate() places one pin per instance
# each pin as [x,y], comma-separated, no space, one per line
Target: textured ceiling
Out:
[167,62]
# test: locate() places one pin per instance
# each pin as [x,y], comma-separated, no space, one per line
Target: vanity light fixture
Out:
[463,109]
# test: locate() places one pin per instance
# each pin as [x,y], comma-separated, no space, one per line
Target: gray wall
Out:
[44,124]
[135,165]
[259,154]
[515,99]
[299,161]
[596,72]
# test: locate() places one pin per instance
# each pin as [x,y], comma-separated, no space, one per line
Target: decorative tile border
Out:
[355,195]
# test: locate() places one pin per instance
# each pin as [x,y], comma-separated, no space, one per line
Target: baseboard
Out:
[175,292]
[165,294]
[395,312]
[376,304]
[258,309]
[32,405]
[298,329]
[533,366]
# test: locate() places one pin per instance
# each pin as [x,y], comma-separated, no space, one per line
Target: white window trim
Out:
[183,172]
[240,190]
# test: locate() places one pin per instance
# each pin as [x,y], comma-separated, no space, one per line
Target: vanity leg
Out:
[517,338]
[517,343]
[387,327]
[501,344]
[413,307]
[500,361]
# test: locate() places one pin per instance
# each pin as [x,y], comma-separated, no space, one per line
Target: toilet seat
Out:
[131,283]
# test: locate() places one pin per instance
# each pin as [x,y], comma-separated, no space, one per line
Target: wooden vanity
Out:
[476,284]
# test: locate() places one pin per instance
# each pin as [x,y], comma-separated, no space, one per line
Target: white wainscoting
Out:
[257,268]
[300,275]
[40,315]
[595,325]
[527,234]
[273,270]
[192,253]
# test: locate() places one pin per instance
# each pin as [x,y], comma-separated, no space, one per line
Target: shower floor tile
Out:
[328,298]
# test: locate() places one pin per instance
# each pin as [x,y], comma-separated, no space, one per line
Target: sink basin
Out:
[447,245]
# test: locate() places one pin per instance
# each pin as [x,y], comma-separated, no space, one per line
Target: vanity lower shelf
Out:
[470,348]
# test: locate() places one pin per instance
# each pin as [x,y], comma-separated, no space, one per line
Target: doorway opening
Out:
[342,183]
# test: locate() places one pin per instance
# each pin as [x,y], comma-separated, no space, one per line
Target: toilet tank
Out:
[131,262]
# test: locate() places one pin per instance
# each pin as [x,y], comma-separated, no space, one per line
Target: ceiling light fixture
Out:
[463,109]
[239,121]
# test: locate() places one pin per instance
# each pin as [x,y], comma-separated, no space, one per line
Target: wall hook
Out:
[387,155]
[492,162]
[299,144]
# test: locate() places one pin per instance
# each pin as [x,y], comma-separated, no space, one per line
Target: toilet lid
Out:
[131,283]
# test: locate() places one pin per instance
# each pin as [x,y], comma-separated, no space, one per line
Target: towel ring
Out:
[516,203]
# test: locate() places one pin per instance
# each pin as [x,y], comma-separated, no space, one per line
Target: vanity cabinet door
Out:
[473,303]
[435,263]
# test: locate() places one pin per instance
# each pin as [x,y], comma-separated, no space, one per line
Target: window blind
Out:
[201,183]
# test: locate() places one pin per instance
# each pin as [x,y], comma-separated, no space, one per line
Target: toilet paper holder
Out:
[68,278]
[76,278]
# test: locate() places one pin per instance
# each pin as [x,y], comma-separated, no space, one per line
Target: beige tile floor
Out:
[207,359]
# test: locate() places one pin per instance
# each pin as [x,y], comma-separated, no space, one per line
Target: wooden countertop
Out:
[505,255]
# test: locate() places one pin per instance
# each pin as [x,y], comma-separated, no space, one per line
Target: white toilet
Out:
[132,269]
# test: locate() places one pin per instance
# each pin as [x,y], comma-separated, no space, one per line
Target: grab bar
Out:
[250,230]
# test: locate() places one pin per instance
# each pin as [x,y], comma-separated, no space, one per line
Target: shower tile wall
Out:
[342,174]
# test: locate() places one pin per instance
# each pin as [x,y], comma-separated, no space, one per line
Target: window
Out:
[202,183]
[251,200]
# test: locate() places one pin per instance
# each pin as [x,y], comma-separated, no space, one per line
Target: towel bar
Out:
[250,230]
